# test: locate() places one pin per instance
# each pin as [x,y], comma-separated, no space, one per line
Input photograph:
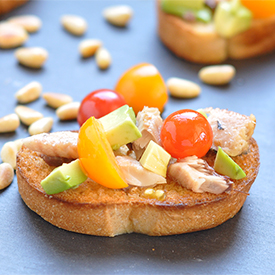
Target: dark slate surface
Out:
[29,245]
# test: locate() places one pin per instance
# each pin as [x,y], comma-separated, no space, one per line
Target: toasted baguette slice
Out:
[96,210]
[8,5]
[200,43]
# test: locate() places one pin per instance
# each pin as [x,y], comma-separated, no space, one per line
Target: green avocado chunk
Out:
[181,8]
[120,126]
[64,177]
[225,165]
[155,159]
[192,4]
[231,18]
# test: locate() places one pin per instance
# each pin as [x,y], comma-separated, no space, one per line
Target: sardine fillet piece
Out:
[231,131]
[58,144]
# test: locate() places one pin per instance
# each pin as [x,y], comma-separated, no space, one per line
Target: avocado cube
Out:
[231,18]
[225,165]
[120,126]
[64,177]
[155,159]
[178,4]
[181,8]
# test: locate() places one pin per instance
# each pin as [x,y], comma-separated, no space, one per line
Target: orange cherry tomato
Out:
[260,8]
[186,133]
[97,157]
[142,85]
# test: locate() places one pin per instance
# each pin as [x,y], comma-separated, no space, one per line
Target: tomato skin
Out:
[96,156]
[260,8]
[186,133]
[98,104]
[142,85]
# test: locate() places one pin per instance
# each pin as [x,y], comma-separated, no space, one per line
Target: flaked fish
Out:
[195,174]
[58,144]
[231,131]
[149,123]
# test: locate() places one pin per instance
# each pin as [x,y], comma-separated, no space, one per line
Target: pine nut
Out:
[56,100]
[43,125]
[9,151]
[33,57]
[160,195]
[103,58]
[30,23]
[182,88]
[154,194]
[88,47]
[6,175]
[29,92]
[68,111]
[27,115]
[149,193]
[12,35]
[118,15]
[74,24]
[217,74]
[9,123]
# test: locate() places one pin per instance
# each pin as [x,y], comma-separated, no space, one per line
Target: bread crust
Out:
[199,43]
[96,210]
[8,5]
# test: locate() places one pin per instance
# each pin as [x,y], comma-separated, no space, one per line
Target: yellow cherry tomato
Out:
[260,8]
[142,85]
[97,157]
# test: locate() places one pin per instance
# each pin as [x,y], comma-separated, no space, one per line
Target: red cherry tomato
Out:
[98,104]
[186,133]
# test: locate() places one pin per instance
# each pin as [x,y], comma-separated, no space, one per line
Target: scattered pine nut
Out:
[118,15]
[217,74]
[27,115]
[9,123]
[56,100]
[88,47]
[103,58]
[6,175]
[30,23]
[9,151]
[33,57]
[12,35]
[68,111]
[29,92]
[74,24]
[43,125]
[18,143]
[182,88]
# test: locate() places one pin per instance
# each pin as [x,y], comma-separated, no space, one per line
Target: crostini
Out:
[210,32]
[185,194]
